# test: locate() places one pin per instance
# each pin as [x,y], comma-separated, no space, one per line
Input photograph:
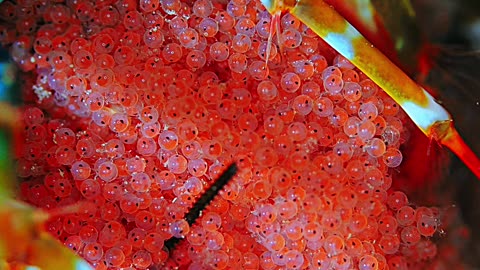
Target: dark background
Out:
[455,26]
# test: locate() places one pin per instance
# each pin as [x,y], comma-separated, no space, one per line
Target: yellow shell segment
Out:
[324,20]
[386,74]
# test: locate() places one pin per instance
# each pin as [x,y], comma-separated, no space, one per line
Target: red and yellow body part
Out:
[24,242]
[432,119]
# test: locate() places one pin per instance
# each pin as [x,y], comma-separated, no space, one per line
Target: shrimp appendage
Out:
[429,116]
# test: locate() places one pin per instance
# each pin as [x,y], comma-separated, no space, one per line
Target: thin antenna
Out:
[274,28]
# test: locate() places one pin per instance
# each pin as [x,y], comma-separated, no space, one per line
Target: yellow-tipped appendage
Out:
[434,121]
[24,243]
[274,27]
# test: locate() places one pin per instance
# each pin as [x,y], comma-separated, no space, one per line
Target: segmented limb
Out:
[23,240]
[47,253]
[434,121]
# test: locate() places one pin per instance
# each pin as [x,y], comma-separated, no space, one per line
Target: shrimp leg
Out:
[432,119]
[23,240]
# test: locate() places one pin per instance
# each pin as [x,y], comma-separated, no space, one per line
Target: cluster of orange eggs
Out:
[139,106]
